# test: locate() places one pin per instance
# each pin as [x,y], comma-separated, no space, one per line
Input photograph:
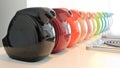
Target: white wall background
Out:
[115,8]
[7,10]
[85,5]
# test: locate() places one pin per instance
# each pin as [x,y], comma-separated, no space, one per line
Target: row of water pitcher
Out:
[34,33]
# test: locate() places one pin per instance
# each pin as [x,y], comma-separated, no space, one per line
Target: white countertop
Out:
[75,57]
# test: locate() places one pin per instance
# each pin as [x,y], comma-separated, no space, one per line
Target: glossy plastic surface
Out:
[30,36]
[62,29]
[108,19]
[102,21]
[80,17]
[89,24]
[94,24]
[99,24]
[75,30]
